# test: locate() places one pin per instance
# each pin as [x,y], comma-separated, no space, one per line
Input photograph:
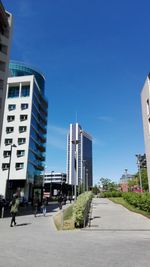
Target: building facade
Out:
[79,157]
[23,145]
[54,182]
[5,39]
[145,101]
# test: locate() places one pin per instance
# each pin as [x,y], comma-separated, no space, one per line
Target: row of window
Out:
[9,141]
[22,129]
[13,106]
[19,153]
[18,166]
[12,117]
[13,91]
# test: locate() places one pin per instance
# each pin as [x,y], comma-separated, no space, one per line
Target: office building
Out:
[23,146]
[53,181]
[145,101]
[79,157]
[5,39]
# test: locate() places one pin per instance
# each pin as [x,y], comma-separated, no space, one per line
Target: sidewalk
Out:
[107,215]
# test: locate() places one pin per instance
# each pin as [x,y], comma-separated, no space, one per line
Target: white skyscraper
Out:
[79,157]
[145,100]
[5,38]
[23,145]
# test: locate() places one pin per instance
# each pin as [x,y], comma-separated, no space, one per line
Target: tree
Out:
[105,182]
[95,190]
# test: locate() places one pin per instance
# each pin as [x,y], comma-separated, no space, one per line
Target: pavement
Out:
[117,237]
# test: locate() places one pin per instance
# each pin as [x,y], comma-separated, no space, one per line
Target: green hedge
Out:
[139,200]
[81,209]
[111,194]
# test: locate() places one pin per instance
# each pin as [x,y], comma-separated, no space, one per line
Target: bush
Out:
[139,200]
[81,209]
[111,194]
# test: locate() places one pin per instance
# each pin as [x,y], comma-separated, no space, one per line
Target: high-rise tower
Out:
[79,157]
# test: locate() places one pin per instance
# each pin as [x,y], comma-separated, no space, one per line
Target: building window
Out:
[2,66]
[13,92]
[1,84]
[20,153]
[19,165]
[24,106]
[23,117]
[22,129]
[3,49]
[8,141]
[21,141]
[25,90]
[11,107]
[9,130]
[6,153]
[5,166]
[10,118]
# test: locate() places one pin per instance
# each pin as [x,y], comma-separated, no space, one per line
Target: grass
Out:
[123,202]
[68,223]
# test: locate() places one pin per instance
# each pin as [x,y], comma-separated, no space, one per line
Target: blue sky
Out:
[95,57]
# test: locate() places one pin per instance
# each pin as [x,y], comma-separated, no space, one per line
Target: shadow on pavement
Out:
[29,210]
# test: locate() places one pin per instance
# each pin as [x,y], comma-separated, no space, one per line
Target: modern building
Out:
[125,178]
[5,39]
[79,157]
[53,181]
[23,145]
[145,101]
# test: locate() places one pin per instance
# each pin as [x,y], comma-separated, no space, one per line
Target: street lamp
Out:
[139,170]
[8,176]
[75,142]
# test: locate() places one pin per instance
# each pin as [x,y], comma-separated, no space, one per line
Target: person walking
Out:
[14,204]
[44,204]
[36,204]
[60,200]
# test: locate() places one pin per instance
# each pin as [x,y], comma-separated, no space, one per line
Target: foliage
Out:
[108,185]
[144,178]
[109,194]
[95,190]
[139,200]
[81,208]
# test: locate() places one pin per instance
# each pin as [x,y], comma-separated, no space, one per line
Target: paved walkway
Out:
[117,237]
[107,215]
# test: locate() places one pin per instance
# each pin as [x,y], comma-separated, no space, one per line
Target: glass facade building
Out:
[79,157]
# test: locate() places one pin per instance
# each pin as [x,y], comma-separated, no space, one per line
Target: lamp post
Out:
[138,156]
[8,176]
[75,142]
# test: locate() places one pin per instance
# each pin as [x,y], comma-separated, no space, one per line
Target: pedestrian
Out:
[14,204]
[60,199]
[44,204]
[36,204]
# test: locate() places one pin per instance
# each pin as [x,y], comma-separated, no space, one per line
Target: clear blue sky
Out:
[95,57]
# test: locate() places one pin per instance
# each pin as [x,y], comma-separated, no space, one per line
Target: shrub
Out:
[139,200]
[81,209]
[111,194]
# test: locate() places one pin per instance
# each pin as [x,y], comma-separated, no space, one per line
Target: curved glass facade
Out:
[21,69]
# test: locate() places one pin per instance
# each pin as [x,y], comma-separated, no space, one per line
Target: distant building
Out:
[79,157]
[53,181]
[5,39]
[23,145]
[145,101]
[125,178]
